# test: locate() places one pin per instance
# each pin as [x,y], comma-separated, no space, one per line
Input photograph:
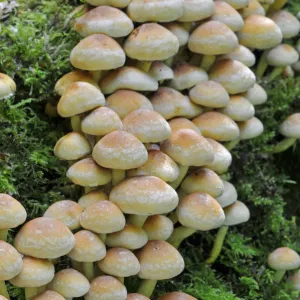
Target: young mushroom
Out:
[91,197]
[48,295]
[176,296]
[238,4]
[183,123]
[7,86]
[161,71]
[256,95]
[158,227]
[135,296]
[228,196]
[254,8]
[180,32]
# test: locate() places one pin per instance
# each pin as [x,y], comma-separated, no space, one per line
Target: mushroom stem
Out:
[76,123]
[3,290]
[277,5]
[147,287]
[30,292]
[182,172]
[275,73]
[230,145]
[103,236]
[173,217]
[262,65]
[117,176]
[76,265]
[137,220]
[97,75]
[195,59]
[42,289]
[207,62]
[144,65]
[218,243]
[283,145]
[187,25]
[3,234]
[121,279]
[88,270]
[278,275]
[179,234]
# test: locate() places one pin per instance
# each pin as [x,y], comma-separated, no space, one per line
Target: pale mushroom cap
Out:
[114,3]
[97,52]
[135,296]
[179,31]
[158,227]
[296,66]
[183,123]
[78,98]
[119,262]
[254,8]
[242,54]
[12,212]
[210,94]
[290,127]
[91,197]
[234,76]
[130,237]
[120,150]
[72,146]
[250,129]
[159,261]
[106,288]
[236,213]
[155,10]
[104,19]
[237,4]
[200,211]
[196,10]
[103,217]
[294,280]
[228,196]
[48,295]
[160,71]
[259,32]
[7,86]
[11,261]
[150,42]
[3,298]
[101,121]
[88,174]
[283,259]
[176,296]
[282,55]
[144,195]
[129,78]
[35,272]
[44,238]
[256,95]
[187,76]
[88,247]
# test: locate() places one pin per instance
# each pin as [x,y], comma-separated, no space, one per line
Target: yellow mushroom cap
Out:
[114,3]
[176,296]
[158,227]
[136,296]
[228,196]
[48,295]
[242,54]
[196,10]
[179,31]
[161,71]
[12,212]
[256,95]
[282,55]
[283,259]
[250,129]
[290,127]
[237,4]
[11,261]
[144,195]
[103,217]
[91,197]
[183,123]
[236,213]
[7,86]
[254,8]
[44,238]
[294,280]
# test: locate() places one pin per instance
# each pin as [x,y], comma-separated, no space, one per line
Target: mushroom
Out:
[228,196]
[161,71]
[256,95]
[48,295]
[182,123]
[254,8]
[250,129]
[91,197]
[196,10]
[176,296]
[158,227]
[114,3]
[238,4]
[7,86]
[179,31]
[294,281]
[136,296]
[288,72]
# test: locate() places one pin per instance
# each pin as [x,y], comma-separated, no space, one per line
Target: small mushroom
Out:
[256,95]
[114,3]
[196,10]
[238,4]
[183,123]
[254,8]
[136,296]
[91,197]
[250,129]
[161,71]
[228,196]
[48,295]
[176,296]
[179,31]
[7,86]
[294,281]
[158,227]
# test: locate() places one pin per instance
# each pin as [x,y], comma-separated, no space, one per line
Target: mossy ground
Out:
[35,45]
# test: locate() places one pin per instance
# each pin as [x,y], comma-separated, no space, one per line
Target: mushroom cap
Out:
[254,8]
[120,150]
[91,197]
[188,148]
[179,31]
[130,237]
[158,227]
[147,125]
[97,52]
[203,181]
[104,19]
[155,10]
[70,283]
[48,295]
[228,196]
[212,38]
[237,4]
[293,280]
[129,78]
[283,259]
[144,195]
[35,272]
[101,121]
[88,247]
[119,262]
[88,174]
[114,3]
[234,76]
[103,217]
[7,86]
[72,146]
[78,98]
[200,211]
[256,94]
[159,261]
[124,102]
[196,10]
[11,261]
[210,94]
[250,129]
[12,212]
[290,127]
[236,213]
[135,296]
[282,55]
[3,298]
[176,296]
[106,288]
[66,211]
[187,76]
[259,32]
[150,42]
[242,54]
[296,66]
[44,238]
[160,71]
[183,123]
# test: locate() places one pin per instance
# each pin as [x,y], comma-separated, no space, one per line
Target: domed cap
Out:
[104,19]
[228,196]
[210,94]
[293,280]
[242,54]
[160,71]
[129,78]
[135,296]
[91,197]
[159,261]
[183,123]
[256,95]
[236,213]
[250,129]
[155,10]
[176,296]
[254,8]
[119,262]
[48,295]
[97,52]
[196,10]
[12,212]
[11,261]
[234,76]
[237,4]
[158,227]
[102,217]
[290,127]
[36,238]
[139,45]
[283,259]
[78,98]
[145,195]
[120,150]
[35,272]
[200,211]
[7,86]
[101,121]
[259,32]
[212,38]
[296,66]
[282,55]
[179,31]
[88,174]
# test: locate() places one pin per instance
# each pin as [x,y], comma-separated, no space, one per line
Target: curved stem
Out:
[277,5]
[3,290]
[88,270]
[3,234]
[283,145]
[173,217]
[144,65]
[30,292]
[262,65]
[76,123]
[117,176]
[76,265]
[230,145]
[275,73]
[182,172]
[147,287]
[179,234]
[137,220]
[278,276]
[207,62]
[97,75]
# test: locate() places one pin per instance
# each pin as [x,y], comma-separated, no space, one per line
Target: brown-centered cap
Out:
[183,123]
[48,295]
[158,227]
[161,71]
[256,94]
[242,54]
[254,8]
[136,296]
[237,4]
[228,196]
[7,86]
[144,195]
[104,19]
[179,31]
[283,259]
[159,261]
[236,213]
[196,10]
[250,129]
[290,127]
[282,55]
[176,296]
[91,197]
[103,217]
